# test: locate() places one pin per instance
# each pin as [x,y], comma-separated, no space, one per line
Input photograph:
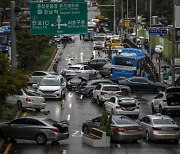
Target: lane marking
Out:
[81,97]
[8,148]
[68,117]
[70,105]
[119,146]
[25,114]
[64,152]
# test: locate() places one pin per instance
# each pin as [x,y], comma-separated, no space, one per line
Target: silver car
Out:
[123,127]
[42,130]
[159,127]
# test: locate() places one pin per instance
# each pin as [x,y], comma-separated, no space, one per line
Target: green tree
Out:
[103,122]
[11,81]
[108,126]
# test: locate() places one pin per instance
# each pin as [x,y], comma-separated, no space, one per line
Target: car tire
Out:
[85,130]
[41,139]
[99,102]
[161,110]
[90,93]
[19,104]
[152,108]
[93,100]
[147,137]
[124,92]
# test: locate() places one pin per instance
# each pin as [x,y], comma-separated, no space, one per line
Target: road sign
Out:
[58,18]
[126,23]
[155,31]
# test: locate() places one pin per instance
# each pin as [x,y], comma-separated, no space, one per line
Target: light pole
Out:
[127,10]
[136,23]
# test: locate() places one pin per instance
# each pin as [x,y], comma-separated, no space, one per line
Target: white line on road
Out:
[64,152]
[119,146]
[70,105]
[68,117]
[81,96]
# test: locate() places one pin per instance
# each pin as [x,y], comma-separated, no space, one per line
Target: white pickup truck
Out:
[99,41]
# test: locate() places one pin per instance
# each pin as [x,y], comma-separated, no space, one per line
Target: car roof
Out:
[158,116]
[77,65]
[53,77]
[109,84]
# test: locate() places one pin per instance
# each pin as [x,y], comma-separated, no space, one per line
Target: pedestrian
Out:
[55,66]
[177,82]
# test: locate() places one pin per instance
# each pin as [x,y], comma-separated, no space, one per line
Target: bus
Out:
[129,63]
[4,39]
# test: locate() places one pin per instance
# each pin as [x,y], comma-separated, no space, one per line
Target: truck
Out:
[99,41]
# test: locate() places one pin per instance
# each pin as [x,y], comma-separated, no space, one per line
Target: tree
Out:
[11,81]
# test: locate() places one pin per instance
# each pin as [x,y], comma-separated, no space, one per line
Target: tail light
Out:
[103,92]
[135,72]
[119,93]
[156,128]
[55,130]
[177,128]
[119,129]
[28,99]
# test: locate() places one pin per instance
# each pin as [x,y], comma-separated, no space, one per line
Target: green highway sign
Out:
[58,18]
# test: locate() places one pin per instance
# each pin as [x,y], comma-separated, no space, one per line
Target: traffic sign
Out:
[58,18]
[155,31]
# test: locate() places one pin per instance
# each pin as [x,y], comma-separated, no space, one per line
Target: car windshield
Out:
[111,88]
[163,121]
[123,120]
[49,82]
[99,38]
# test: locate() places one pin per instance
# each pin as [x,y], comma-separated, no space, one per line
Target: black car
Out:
[97,63]
[143,84]
[66,39]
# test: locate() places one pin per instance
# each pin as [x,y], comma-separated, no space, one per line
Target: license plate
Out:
[167,137]
[122,77]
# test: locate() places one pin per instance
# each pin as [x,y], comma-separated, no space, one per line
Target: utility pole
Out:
[13,36]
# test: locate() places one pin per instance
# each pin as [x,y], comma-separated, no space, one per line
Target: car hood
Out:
[49,88]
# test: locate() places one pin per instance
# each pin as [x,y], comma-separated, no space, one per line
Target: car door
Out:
[156,100]
[94,123]
[96,91]
[15,128]
[110,104]
[144,123]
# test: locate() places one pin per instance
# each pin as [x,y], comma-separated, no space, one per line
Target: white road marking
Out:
[68,117]
[77,134]
[119,146]
[70,105]
[64,152]
[81,96]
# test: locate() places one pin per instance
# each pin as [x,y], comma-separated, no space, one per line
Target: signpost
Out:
[58,18]
[155,31]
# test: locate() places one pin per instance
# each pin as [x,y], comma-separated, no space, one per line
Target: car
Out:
[77,79]
[159,127]
[26,98]
[122,105]
[123,128]
[39,129]
[142,84]
[106,70]
[167,101]
[36,76]
[52,87]
[87,88]
[103,29]
[73,69]
[104,91]
[67,39]
[97,63]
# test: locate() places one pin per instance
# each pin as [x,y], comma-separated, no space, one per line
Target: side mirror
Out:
[35,86]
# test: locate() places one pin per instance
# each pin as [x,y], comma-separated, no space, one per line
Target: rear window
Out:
[163,121]
[73,68]
[123,120]
[50,121]
[111,88]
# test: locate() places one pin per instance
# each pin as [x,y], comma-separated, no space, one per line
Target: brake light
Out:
[177,128]
[54,130]
[28,99]
[103,92]
[119,129]
[156,128]
[135,72]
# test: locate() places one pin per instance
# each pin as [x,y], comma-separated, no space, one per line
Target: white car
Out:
[27,99]
[52,87]
[122,105]
[104,91]
[168,101]
[37,76]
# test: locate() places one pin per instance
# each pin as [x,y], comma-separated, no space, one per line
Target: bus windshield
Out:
[99,38]
[124,61]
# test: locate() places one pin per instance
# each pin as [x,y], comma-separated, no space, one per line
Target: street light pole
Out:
[114,16]
[127,10]
[136,23]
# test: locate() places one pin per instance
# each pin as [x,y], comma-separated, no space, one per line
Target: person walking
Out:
[55,66]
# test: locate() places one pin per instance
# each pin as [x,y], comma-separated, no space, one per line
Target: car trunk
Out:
[130,106]
[173,96]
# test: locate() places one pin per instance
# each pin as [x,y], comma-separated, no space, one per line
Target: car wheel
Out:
[159,89]
[19,104]
[161,110]
[147,137]
[152,108]
[176,141]
[124,92]
[90,93]
[99,102]
[85,130]
[38,110]
[41,139]
[93,100]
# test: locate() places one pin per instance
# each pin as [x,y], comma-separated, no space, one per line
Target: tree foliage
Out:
[10,81]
